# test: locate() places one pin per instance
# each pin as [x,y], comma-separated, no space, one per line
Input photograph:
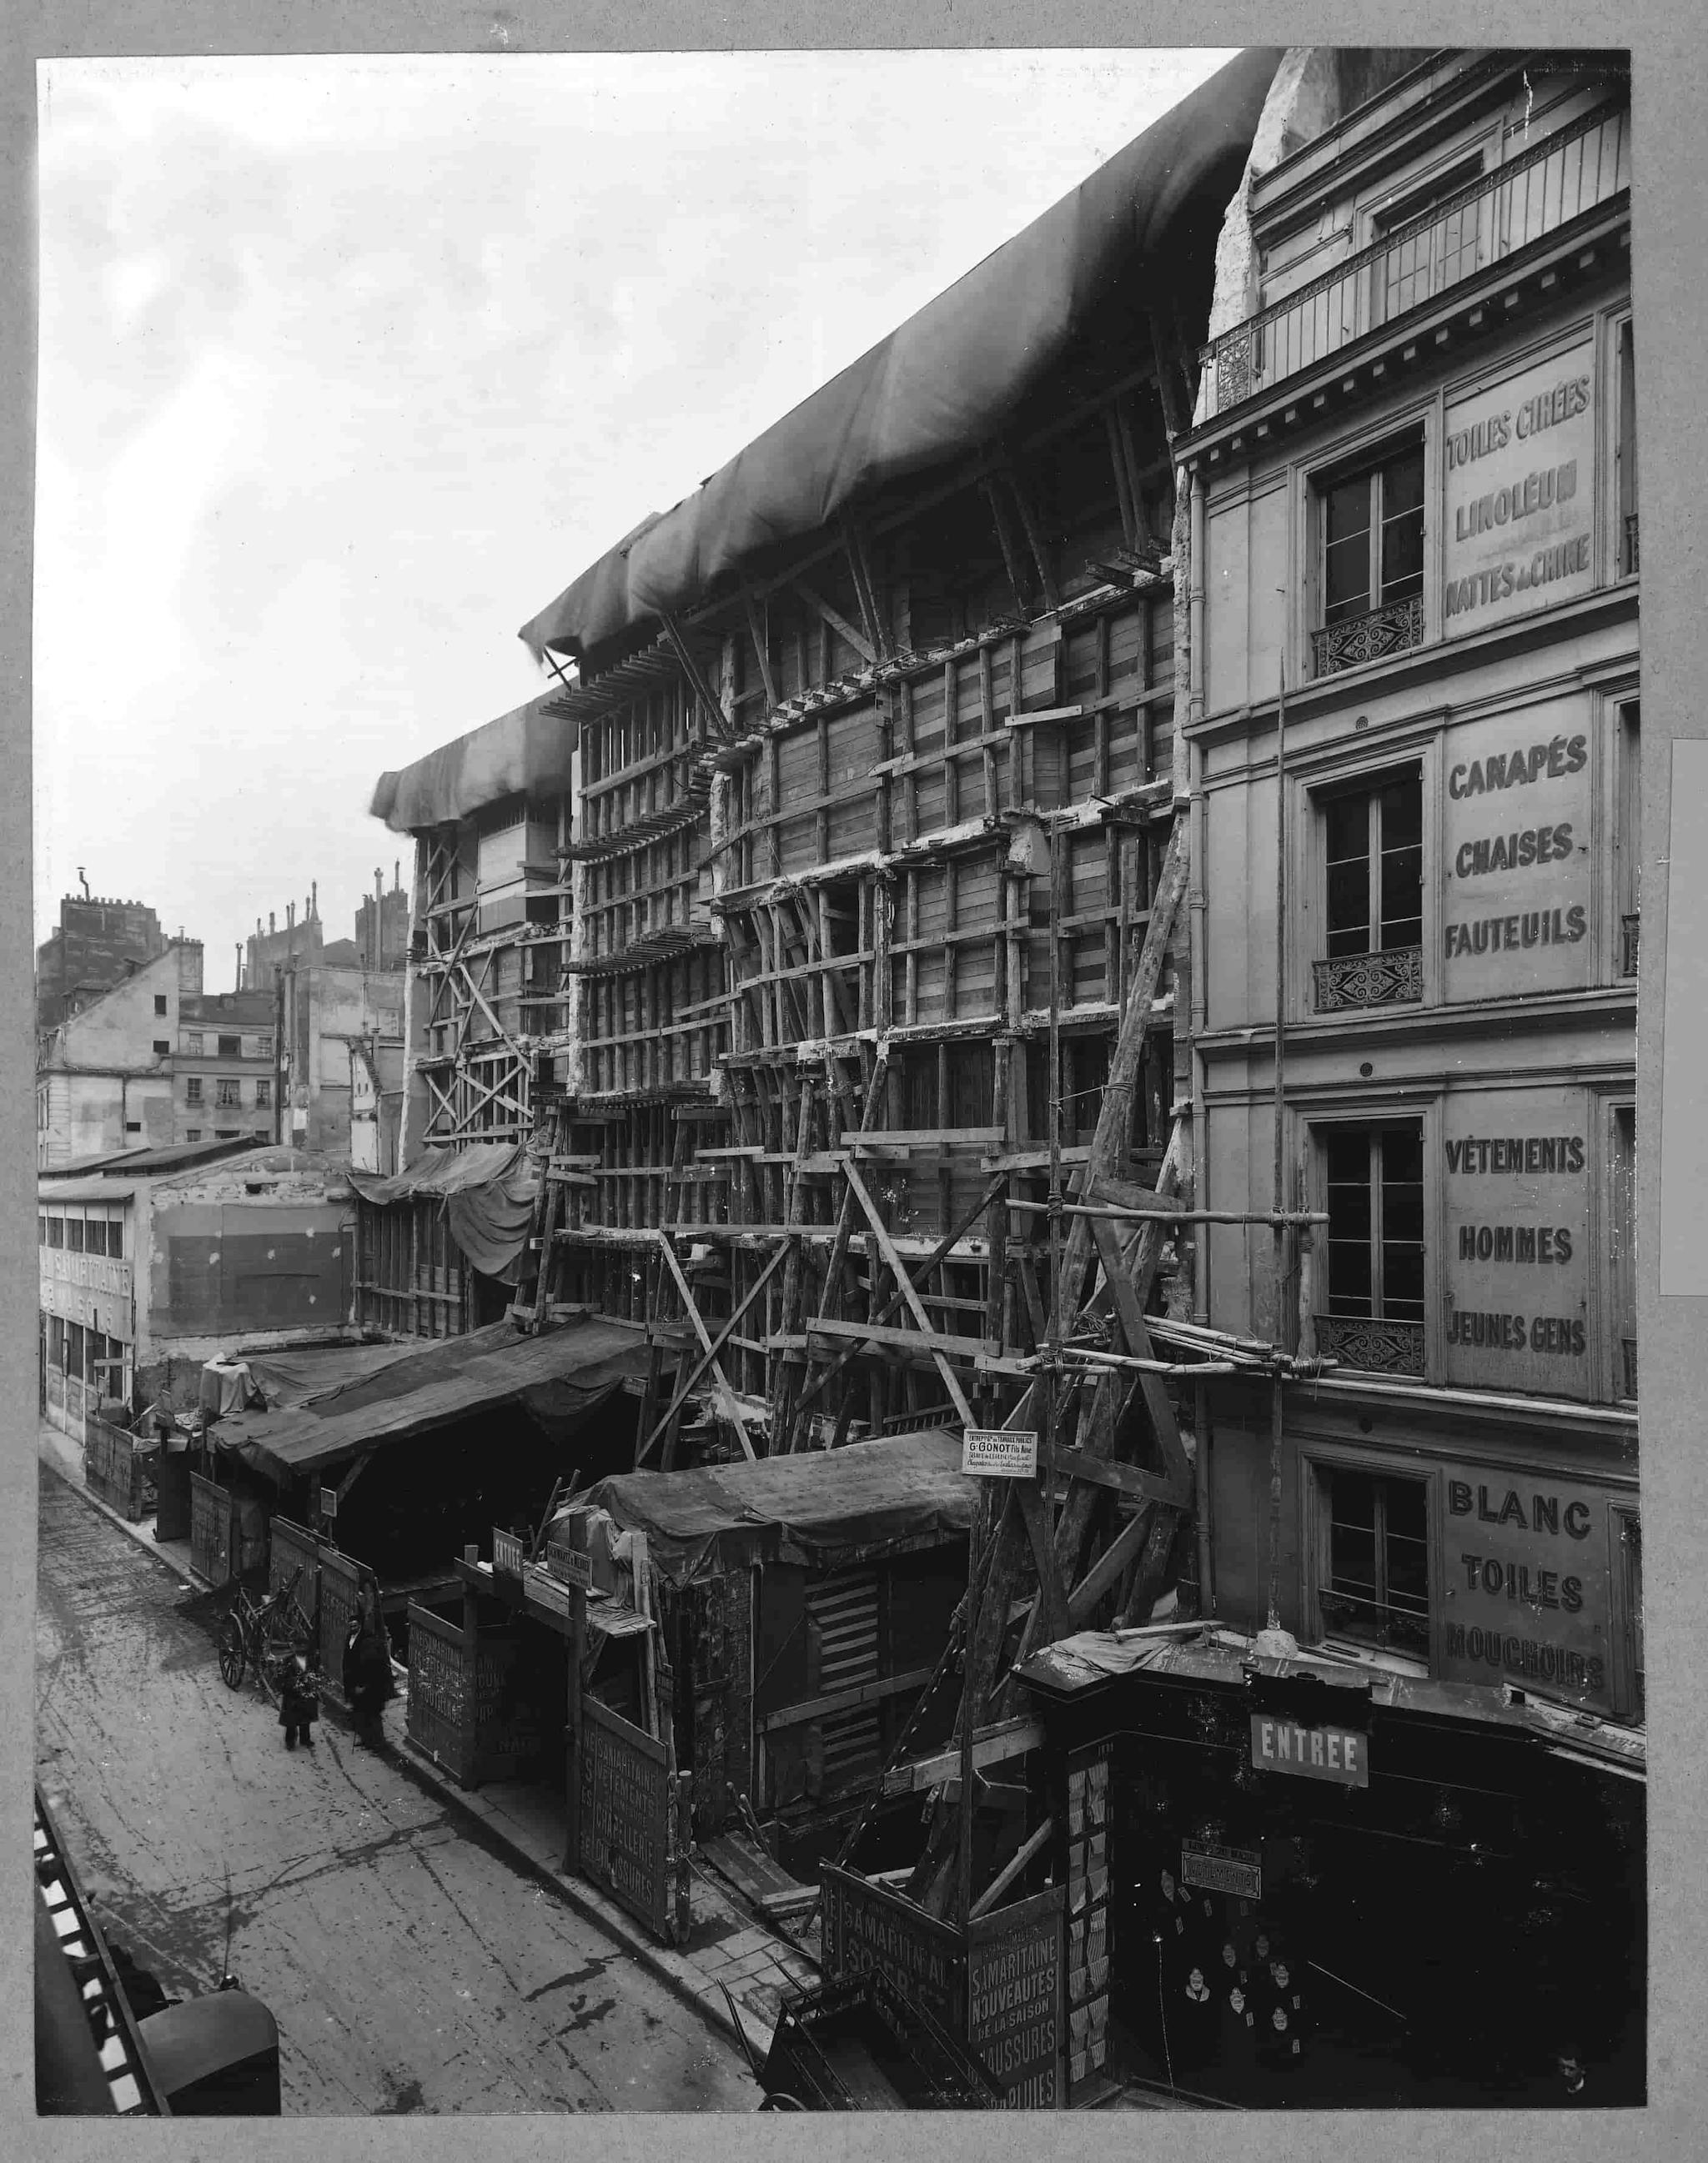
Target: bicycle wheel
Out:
[233,1652]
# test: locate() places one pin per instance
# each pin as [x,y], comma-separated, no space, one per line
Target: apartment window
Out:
[1628,839]
[192,1042]
[74,1235]
[192,1133]
[95,1236]
[227,1093]
[1374,1585]
[56,1230]
[163,1049]
[192,1089]
[1373,1178]
[226,1134]
[41,1231]
[263,1095]
[1373,856]
[231,1047]
[159,1003]
[1625,454]
[263,1047]
[1623,1205]
[132,1126]
[1370,559]
[1431,241]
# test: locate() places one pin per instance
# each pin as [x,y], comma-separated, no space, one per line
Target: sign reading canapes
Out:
[1000,1452]
[1341,1754]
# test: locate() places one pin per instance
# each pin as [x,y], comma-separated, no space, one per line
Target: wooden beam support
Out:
[732,1409]
[695,674]
[1010,1871]
[710,1354]
[880,1230]
[833,616]
[761,652]
[1129,1318]
[1108,1569]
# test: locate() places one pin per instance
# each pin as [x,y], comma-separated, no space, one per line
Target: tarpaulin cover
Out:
[905,1490]
[939,385]
[557,1379]
[1096,1657]
[489,1190]
[519,754]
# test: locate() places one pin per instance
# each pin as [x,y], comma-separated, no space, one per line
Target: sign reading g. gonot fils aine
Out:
[1517,879]
[1517,480]
[999,1452]
[1528,1574]
[1517,1260]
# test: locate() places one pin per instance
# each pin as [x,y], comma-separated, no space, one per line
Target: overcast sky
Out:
[348,366]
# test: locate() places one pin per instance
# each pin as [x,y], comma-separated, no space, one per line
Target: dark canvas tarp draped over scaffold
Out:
[489,1191]
[940,384]
[559,1379]
[522,752]
[818,1508]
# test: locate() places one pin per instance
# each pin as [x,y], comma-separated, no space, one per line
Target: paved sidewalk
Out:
[729,1944]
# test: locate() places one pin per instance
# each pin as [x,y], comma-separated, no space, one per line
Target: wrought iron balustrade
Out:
[1372,636]
[1375,1621]
[1392,979]
[1630,938]
[1374,1347]
[1562,177]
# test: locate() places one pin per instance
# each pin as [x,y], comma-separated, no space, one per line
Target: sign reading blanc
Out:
[1237,1870]
[1000,1452]
[1517,483]
[1341,1754]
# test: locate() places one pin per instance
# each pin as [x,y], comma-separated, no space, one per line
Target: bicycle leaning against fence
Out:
[266,1634]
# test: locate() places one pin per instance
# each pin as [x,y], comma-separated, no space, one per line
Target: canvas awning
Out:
[940,384]
[523,752]
[817,1507]
[489,1190]
[557,1379]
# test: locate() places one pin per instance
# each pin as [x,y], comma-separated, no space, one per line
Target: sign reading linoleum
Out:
[1518,465]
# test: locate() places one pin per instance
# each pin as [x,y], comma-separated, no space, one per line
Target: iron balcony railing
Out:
[1372,636]
[1533,195]
[1387,1623]
[1393,979]
[1374,1347]
[1630,940]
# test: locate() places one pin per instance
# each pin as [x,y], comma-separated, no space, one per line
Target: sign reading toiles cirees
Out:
[1518,470]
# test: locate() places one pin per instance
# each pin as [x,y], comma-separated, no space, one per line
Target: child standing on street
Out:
[299,1703]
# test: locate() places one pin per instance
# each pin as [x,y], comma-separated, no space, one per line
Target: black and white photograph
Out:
[840,859]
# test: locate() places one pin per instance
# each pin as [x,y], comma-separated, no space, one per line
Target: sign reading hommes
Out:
[1517,480]
[1517,1261]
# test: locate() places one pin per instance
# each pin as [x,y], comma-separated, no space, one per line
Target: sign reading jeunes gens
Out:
[1517,485]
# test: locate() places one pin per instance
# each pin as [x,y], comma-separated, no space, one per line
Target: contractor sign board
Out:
[999,1452]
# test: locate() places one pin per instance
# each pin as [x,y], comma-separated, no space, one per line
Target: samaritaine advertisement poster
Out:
[1518,471]
[1517,883]
[1517,1264]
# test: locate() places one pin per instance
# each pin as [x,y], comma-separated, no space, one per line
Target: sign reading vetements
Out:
[1341,1754]
[999,1452]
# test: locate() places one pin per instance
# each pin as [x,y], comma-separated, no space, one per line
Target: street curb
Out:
[697,1995]
[605,1917]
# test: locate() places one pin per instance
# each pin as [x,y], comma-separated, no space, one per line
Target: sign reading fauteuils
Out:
[1517,481]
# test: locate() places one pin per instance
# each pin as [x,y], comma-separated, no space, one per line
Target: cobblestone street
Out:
[410,1967]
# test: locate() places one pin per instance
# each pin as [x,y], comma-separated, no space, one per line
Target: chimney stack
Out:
[240,984]
[272,924]
[314,898]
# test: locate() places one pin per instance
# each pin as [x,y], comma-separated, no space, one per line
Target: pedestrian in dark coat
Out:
[368,1682]
[299,1703]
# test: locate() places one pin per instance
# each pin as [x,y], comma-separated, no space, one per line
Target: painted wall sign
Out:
[1341,1754]
[1235,1870]
[1528,1585]
[1516,1260]
[1516,880]
[866,1927]
[1013,1998]
[625,1823]
[1000,1452]
[1518,467]
[93,1290]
